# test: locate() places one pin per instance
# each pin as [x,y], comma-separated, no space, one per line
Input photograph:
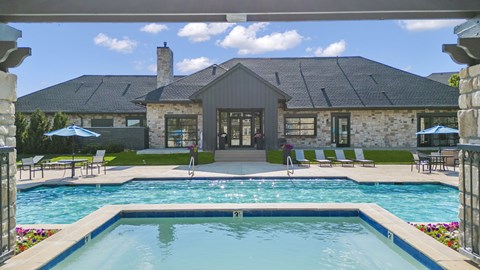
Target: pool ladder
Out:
[191,167]
[290,162]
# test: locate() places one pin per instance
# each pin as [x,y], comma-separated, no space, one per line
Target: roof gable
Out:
[235,69]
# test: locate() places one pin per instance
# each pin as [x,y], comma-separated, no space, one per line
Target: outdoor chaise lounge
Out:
[359,157]
[341,158]
[32,164]
[300,158]
[320,158]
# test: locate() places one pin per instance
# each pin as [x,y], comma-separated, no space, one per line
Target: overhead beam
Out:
[219,10]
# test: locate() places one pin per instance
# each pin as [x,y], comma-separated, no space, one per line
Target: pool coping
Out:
[24,188]
[421,246]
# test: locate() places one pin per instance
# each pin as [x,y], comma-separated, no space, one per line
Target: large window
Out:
[340,129]
[430,120]
[135,121]
[102,123]
[300,126]
[181,130]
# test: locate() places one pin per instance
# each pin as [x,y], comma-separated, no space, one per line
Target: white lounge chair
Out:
[341,158]
[320,158]
[300,158]
[359,157]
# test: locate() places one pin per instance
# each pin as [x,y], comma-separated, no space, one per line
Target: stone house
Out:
[309,102]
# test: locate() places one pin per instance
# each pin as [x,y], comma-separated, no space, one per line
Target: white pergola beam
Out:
[217,10]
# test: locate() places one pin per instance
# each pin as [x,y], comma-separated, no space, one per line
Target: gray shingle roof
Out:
[90,94]
[441,77]
[331,82]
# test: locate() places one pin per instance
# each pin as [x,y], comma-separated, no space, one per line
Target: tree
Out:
[59,145]
[454,80]
[21,122]
[37,142]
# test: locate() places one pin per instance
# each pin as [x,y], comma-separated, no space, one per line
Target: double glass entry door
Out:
[241,131]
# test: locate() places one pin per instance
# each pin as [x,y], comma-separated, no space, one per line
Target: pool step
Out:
[240,155]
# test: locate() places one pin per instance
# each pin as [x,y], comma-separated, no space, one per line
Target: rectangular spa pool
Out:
[240,243]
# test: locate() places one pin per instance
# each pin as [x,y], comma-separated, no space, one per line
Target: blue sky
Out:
[61,52]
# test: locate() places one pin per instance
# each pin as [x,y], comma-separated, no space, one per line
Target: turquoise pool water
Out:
[249,243]
[67,204]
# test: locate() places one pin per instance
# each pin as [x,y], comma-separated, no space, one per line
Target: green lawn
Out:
[379,156]
[130,158]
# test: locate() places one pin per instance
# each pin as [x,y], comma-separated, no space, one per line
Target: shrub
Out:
[109,148]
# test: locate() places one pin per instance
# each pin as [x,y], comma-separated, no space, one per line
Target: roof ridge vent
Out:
[126,89]
[277,78]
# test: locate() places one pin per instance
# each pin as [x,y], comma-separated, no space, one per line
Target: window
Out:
[135,122]
[300,126]
[102,123]
[181,131]
[430,120]
[340,130]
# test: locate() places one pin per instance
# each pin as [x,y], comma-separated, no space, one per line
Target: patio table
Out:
[440,160]
[72,162]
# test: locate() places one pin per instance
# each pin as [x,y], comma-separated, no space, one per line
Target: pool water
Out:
[249,243]
[67,204]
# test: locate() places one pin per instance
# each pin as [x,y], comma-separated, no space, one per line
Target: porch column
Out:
[10,56]
[467,51]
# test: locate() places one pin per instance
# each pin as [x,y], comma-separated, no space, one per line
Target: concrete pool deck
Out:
[122,174]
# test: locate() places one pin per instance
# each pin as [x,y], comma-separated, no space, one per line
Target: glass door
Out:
[247,132]
[240,131]
[341,130]
[235,132]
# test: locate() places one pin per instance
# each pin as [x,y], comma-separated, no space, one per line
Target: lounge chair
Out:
[300,158]
[320,158]
[98,161]
[32,164]
[418,161]
[341,158]
[359,157]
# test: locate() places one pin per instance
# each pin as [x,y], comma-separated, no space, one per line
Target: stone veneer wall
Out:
[8,95]
[156,119]
[468,122]
[368,128]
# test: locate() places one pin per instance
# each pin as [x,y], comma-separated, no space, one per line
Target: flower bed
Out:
[446,233]
[27,238]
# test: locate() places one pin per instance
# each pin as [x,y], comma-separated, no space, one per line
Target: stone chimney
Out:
[164,65]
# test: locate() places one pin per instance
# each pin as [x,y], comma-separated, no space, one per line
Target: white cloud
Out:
[153,28]
[425,25]
[194,64]
[334,49]
[198,32]
[408,68]
[152,68]
[124,45]
[246,41]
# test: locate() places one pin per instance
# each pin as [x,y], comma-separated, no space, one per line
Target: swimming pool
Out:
[67,204]
[248,243]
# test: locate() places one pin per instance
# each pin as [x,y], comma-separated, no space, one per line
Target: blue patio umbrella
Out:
[438,130]
[72,131]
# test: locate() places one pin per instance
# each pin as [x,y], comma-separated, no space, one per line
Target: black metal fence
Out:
[6,248]
[469,198]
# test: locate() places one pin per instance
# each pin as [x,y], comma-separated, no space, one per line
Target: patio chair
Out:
[98,161]
[32,164]
[359,157]
[300,158]
[419,161]
[341,158]
[320,158]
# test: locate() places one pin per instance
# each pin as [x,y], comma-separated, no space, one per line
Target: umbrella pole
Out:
[73,147]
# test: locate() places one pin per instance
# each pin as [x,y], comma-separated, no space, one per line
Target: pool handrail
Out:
[290,162]
[191,167]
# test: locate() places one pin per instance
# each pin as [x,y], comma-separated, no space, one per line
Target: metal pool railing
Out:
[191,167]
[7,248]
[290,162]
[469,158]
